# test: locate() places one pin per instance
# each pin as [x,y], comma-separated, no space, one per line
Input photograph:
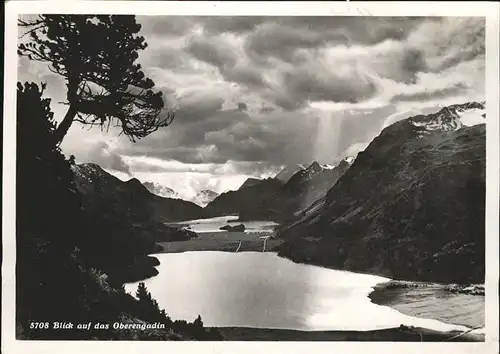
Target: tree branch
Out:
[63,127]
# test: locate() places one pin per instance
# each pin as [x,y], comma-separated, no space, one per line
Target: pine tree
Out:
[142,293]
[198,323]
[96,55]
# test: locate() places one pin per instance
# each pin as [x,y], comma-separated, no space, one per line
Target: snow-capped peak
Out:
[160,190]
[204,197]
[313,169]
[451,118]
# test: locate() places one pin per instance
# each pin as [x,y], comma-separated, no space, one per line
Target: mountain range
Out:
[161,190]
[231,202]
[250,182]
[204,197]
[288,171]
[411,206]
[280,197]
[131,198]
[302,189]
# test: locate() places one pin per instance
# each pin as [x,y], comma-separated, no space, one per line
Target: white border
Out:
[488,9]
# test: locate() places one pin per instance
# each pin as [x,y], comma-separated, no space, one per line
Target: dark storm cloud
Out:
[463,41]
[195,133]
[232,24]
[281,41]
[173,59]
[431,94]
[321,85]
[246,89]
[192,138]
[281,37]
[297,40]
[232,135]
[197,107]
[245,75]
[365,30]
[167,25]
[211,50]
[221,54]
[269,70]
[413,62]
[281,138]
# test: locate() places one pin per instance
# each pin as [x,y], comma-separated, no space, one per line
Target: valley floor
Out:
[223,241]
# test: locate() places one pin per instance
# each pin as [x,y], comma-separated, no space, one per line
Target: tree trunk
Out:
[63,127]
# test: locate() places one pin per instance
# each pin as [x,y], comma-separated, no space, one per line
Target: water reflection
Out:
[255,289]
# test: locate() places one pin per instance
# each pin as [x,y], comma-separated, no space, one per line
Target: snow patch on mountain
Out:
[161,190]
[349,159]
[204,197]
[312,170]
[473,117]
[451,118]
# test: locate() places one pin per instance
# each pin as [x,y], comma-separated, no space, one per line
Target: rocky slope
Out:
[411,206]
[301,190]
[287,172]
[229,203]
[128,220]
[131,198]
[250,182]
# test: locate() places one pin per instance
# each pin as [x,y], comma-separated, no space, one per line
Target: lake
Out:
[262,290]
[214,224]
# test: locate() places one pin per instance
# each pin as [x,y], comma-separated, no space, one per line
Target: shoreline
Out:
[395,334]
[431,301]
[223,241]
[391,293]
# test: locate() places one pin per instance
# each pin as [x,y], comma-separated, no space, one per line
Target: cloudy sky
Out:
[252,94]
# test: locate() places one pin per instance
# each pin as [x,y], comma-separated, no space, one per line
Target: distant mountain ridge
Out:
[250,182]
[411,206]
[229,203]
[204,197]
[450,118]
[302,189]
[273,199]
[125,213]
[131,198]
[287,172]
[161,190]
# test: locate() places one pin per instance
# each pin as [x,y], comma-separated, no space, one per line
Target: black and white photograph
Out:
[251,178]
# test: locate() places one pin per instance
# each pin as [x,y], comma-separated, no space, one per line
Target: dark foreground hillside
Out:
[132,219]
[61,275]
[131,198]
[412,206]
